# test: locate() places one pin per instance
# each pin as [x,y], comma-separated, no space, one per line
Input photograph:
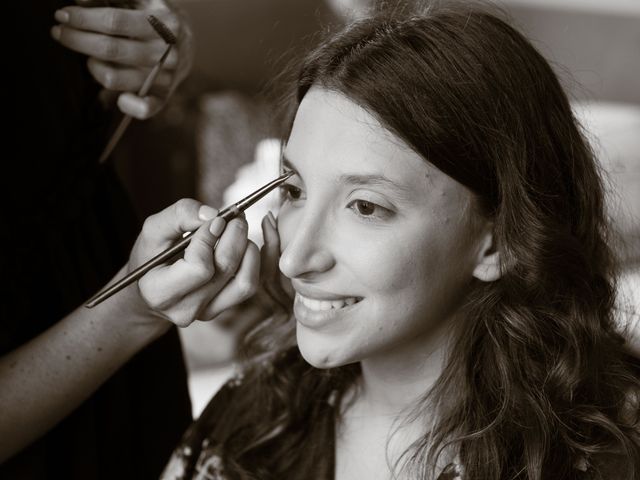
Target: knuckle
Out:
[77,18]
[111,48]
[110,79]
[185,206]
[225,268]
[148,223]
[113,21]
[245,289]
[203,273]
[182,322]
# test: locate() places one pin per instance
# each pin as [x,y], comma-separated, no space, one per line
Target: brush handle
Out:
[228,214]
[115,138]
[159,259]
[148,82]
[126,119]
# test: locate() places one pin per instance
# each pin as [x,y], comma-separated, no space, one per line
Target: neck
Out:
[394,381]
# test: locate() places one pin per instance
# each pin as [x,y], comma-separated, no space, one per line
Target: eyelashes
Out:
[290,192]
[364,209]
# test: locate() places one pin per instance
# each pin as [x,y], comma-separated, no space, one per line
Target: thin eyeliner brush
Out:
[227,213]
[170,39]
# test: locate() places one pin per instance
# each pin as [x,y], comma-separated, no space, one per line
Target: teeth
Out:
[323,305]
[337,303]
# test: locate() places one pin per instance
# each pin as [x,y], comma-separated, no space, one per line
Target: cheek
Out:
[420,275]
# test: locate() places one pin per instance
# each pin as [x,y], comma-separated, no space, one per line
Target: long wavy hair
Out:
[537,385]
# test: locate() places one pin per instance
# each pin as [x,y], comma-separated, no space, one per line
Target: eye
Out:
[364,208]
[291,192]
[368,210]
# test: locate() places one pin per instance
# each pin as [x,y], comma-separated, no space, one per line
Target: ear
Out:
[488,260]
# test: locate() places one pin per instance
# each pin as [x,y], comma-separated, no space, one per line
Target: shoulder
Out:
[201,446]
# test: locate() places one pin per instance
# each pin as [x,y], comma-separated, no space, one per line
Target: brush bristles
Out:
[162,30]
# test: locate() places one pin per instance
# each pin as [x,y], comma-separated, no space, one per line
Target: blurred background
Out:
[216,139]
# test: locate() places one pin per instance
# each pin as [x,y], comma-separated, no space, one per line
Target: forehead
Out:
[330,130]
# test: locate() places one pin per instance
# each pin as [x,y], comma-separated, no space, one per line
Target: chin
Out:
[321,351]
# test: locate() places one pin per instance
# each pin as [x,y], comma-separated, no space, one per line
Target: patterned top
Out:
[202,454]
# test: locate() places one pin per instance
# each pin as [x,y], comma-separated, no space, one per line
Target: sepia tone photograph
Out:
[321,240]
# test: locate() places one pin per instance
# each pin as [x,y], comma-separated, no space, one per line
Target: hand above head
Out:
[205,281]
[123,47]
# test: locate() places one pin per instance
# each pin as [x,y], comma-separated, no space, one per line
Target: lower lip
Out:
[318,318]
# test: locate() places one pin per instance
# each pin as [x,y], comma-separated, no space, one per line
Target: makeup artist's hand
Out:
[204,282]
[274,295]
[123,48]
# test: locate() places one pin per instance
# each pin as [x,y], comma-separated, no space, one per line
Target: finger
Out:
[163,228]
[115,77]
[273,282]
[116,21]
[231,248]
[140,108]
[243,285]
[124,51]
[166,285]
[199,252]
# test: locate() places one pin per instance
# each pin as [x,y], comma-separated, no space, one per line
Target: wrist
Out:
[139,322]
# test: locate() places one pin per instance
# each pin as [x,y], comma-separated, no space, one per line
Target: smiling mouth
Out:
[325,305]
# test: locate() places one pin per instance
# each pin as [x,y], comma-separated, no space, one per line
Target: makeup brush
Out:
[170,39]
[227,213]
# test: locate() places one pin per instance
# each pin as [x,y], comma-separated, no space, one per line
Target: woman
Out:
[446,246]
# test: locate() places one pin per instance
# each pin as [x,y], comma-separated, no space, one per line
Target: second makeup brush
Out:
[170,39]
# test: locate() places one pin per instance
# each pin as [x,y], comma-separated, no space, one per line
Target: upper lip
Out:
[318,294]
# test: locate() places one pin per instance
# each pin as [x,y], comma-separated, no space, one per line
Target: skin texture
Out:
[411,258]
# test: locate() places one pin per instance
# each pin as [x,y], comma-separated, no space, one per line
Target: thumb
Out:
[137,107]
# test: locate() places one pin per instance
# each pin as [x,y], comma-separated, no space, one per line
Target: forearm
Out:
[45,379]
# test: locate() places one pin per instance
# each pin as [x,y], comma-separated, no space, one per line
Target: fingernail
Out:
[62,16]
[272,220]
[206,212]
[55,32]
[217,226]
[133,105]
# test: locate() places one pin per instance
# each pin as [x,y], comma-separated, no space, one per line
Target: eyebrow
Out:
[358,179]
[286,163]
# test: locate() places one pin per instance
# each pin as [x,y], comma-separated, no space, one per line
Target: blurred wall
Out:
[596,51]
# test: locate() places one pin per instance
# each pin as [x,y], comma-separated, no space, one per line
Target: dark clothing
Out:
[204,453]
[68,228]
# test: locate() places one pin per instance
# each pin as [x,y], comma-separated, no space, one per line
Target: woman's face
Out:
[379,245]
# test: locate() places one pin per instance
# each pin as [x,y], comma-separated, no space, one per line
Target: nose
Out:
[305,248]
